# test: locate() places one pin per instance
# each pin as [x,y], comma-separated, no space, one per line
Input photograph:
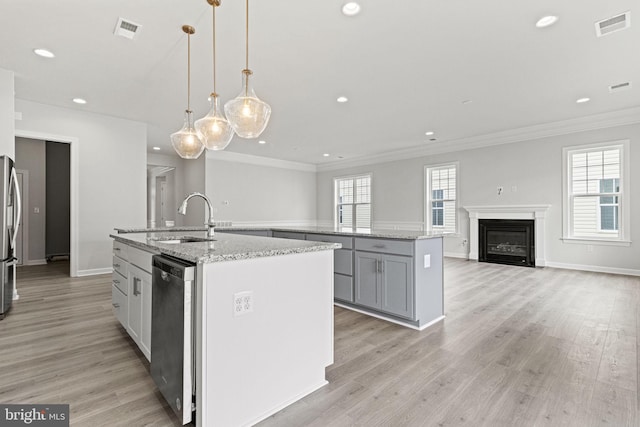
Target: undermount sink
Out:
[185,240]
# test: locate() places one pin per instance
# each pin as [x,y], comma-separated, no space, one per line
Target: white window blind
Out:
[441,198]
[353,202]
[596,193]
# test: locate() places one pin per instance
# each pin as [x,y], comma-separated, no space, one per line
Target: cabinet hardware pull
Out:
[116,282]
[378,246]
[115,305]
[136,291]
[116,249]
[116,265]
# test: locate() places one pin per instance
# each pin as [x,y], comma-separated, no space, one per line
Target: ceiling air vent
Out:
[126,28]
[611,25]
[619,87]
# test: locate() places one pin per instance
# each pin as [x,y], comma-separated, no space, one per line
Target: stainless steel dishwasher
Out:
[172,326]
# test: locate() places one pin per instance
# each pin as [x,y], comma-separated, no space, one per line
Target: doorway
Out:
[161,196]
[44,175]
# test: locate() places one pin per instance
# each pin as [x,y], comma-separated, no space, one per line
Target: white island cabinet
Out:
[131,292]
[249,363]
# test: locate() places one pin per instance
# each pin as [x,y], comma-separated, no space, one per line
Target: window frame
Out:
[336,204]
[624,194]
[428,198]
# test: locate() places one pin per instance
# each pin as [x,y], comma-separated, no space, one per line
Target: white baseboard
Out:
[594,268]
[398,225]
[274,224]
[35,262]
[95,271]
[456,255]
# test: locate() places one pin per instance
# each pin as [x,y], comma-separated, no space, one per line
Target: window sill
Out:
[581,241]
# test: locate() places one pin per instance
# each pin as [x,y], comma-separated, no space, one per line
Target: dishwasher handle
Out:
[172,267]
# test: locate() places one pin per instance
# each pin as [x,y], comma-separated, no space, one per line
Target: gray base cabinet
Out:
[385,282]
[396,279]
[342,264]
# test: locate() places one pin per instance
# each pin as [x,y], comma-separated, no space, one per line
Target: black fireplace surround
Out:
[507,241]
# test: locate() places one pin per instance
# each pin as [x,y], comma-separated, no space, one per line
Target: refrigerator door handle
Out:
[18,211]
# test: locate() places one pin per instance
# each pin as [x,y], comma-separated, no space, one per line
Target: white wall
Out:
[534,167]
[250,192]
[30,156]
[110,175]
[6,114]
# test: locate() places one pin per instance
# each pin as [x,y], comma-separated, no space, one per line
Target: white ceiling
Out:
[406,67]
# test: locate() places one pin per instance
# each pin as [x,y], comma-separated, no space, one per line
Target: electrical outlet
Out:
[427,261]
[500,190]
[242,303]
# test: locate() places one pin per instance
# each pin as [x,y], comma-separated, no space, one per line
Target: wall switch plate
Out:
[36,210]
[242,303]
[427,261]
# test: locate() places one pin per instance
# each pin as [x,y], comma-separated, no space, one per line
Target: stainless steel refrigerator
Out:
[9,223]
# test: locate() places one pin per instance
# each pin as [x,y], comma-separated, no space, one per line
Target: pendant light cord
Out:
[247,35]
[214,48]
[188,72]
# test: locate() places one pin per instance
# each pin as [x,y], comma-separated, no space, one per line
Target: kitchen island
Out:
[247,366]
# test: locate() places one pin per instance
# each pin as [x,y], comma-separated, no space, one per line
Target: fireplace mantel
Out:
[536,212]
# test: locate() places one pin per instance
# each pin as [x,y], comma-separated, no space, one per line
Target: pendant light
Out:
[247,114]
[185,141]
[214,129]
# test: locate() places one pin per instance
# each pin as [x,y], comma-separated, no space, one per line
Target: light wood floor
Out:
[519,347]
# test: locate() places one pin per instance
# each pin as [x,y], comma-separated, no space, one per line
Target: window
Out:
[353,202]
[595,193]
[441,200]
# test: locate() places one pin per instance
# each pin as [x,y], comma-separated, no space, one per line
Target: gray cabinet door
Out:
[343,287]
[397,285]
[367,284]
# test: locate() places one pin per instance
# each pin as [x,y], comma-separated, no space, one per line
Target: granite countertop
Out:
[223,247]
[379,233]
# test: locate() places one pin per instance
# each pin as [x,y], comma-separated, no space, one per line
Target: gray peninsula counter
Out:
[251,366]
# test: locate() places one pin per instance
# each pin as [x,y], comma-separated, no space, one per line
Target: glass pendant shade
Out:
[185,141]
[214,129]
[247,114]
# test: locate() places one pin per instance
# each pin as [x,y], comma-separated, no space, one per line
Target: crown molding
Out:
[587,123]
[230,156]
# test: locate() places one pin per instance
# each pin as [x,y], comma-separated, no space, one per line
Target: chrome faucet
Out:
[210,223]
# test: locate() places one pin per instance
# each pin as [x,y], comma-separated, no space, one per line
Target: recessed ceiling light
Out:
[429,133]
[326,154]
[546,21]
[79,101]
[44,53]
[156,148]
[583,100]
[351,8]
[342,99]
[262,141]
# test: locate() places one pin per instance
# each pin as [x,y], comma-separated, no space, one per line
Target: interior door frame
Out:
[24,197]
[73,172]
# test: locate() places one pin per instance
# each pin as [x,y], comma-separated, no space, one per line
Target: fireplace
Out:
[535,213]
[507,241]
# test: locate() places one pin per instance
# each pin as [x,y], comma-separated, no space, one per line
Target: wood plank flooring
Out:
[519,347]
